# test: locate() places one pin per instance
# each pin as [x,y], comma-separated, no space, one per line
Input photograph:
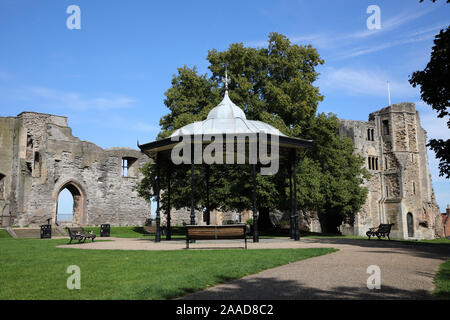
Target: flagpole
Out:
[389,93]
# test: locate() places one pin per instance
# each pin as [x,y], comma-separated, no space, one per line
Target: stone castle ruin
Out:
[39,158]
[393,145]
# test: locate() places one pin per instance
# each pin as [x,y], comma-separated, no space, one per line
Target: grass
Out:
[36,269]
[442,281]
[4,234]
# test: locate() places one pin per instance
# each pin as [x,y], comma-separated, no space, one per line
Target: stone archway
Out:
[410,224]
[79,201]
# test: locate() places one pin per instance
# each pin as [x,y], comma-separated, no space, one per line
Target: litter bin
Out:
[46,231]
[105,230]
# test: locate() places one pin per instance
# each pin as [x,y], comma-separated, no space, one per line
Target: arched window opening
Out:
[370,136]
[29,150]
[37,165]
[70,208]
[65,206]
[410,224]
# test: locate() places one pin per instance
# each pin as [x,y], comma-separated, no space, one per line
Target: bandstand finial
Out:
[226,80]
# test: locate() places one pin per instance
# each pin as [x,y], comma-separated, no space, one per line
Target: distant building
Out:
[39,158]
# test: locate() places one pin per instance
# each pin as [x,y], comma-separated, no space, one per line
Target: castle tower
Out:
[400,190]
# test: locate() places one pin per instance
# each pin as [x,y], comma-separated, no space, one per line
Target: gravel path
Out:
[407,270]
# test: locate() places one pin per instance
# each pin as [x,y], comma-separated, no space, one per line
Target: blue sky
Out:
[110,76]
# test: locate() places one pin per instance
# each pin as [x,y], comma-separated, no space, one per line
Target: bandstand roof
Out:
[225,118]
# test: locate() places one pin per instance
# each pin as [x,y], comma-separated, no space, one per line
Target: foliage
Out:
[435,90]
[442,281]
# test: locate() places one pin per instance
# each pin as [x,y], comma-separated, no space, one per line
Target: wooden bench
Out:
[151,230]
[383,230]
[78,233]
[232,231]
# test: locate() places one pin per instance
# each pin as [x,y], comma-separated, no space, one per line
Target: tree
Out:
[435,90]
[340,192]
[274,85]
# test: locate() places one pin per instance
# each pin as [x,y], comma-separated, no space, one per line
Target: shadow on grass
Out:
[275,289]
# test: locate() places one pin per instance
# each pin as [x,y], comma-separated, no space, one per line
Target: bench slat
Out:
[215,233]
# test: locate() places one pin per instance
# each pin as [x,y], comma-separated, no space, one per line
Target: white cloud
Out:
[391,23]
[365,82]
[410,37]
[77,101]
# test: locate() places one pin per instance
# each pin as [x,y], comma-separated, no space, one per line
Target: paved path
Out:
[407,270]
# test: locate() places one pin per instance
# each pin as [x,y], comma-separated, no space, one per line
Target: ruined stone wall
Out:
[46,159]
[8,137]
[366,139]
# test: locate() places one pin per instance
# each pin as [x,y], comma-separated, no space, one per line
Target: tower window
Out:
[129,167]
[373,163]
[124,167]
[37,165]
[370,134]
[414,187]
[385,127]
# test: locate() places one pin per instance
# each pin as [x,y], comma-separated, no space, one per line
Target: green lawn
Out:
[442,281]
[4,234]
[36,269]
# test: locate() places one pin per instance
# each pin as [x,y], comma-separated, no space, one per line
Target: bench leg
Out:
[187,243]
[245,242]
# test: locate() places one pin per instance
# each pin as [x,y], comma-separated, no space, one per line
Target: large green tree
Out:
[274,85]
[434,83]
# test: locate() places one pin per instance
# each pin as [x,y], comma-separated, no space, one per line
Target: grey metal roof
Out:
[226,118]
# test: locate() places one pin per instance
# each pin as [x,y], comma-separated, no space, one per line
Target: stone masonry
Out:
[39,158]
[393,145]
